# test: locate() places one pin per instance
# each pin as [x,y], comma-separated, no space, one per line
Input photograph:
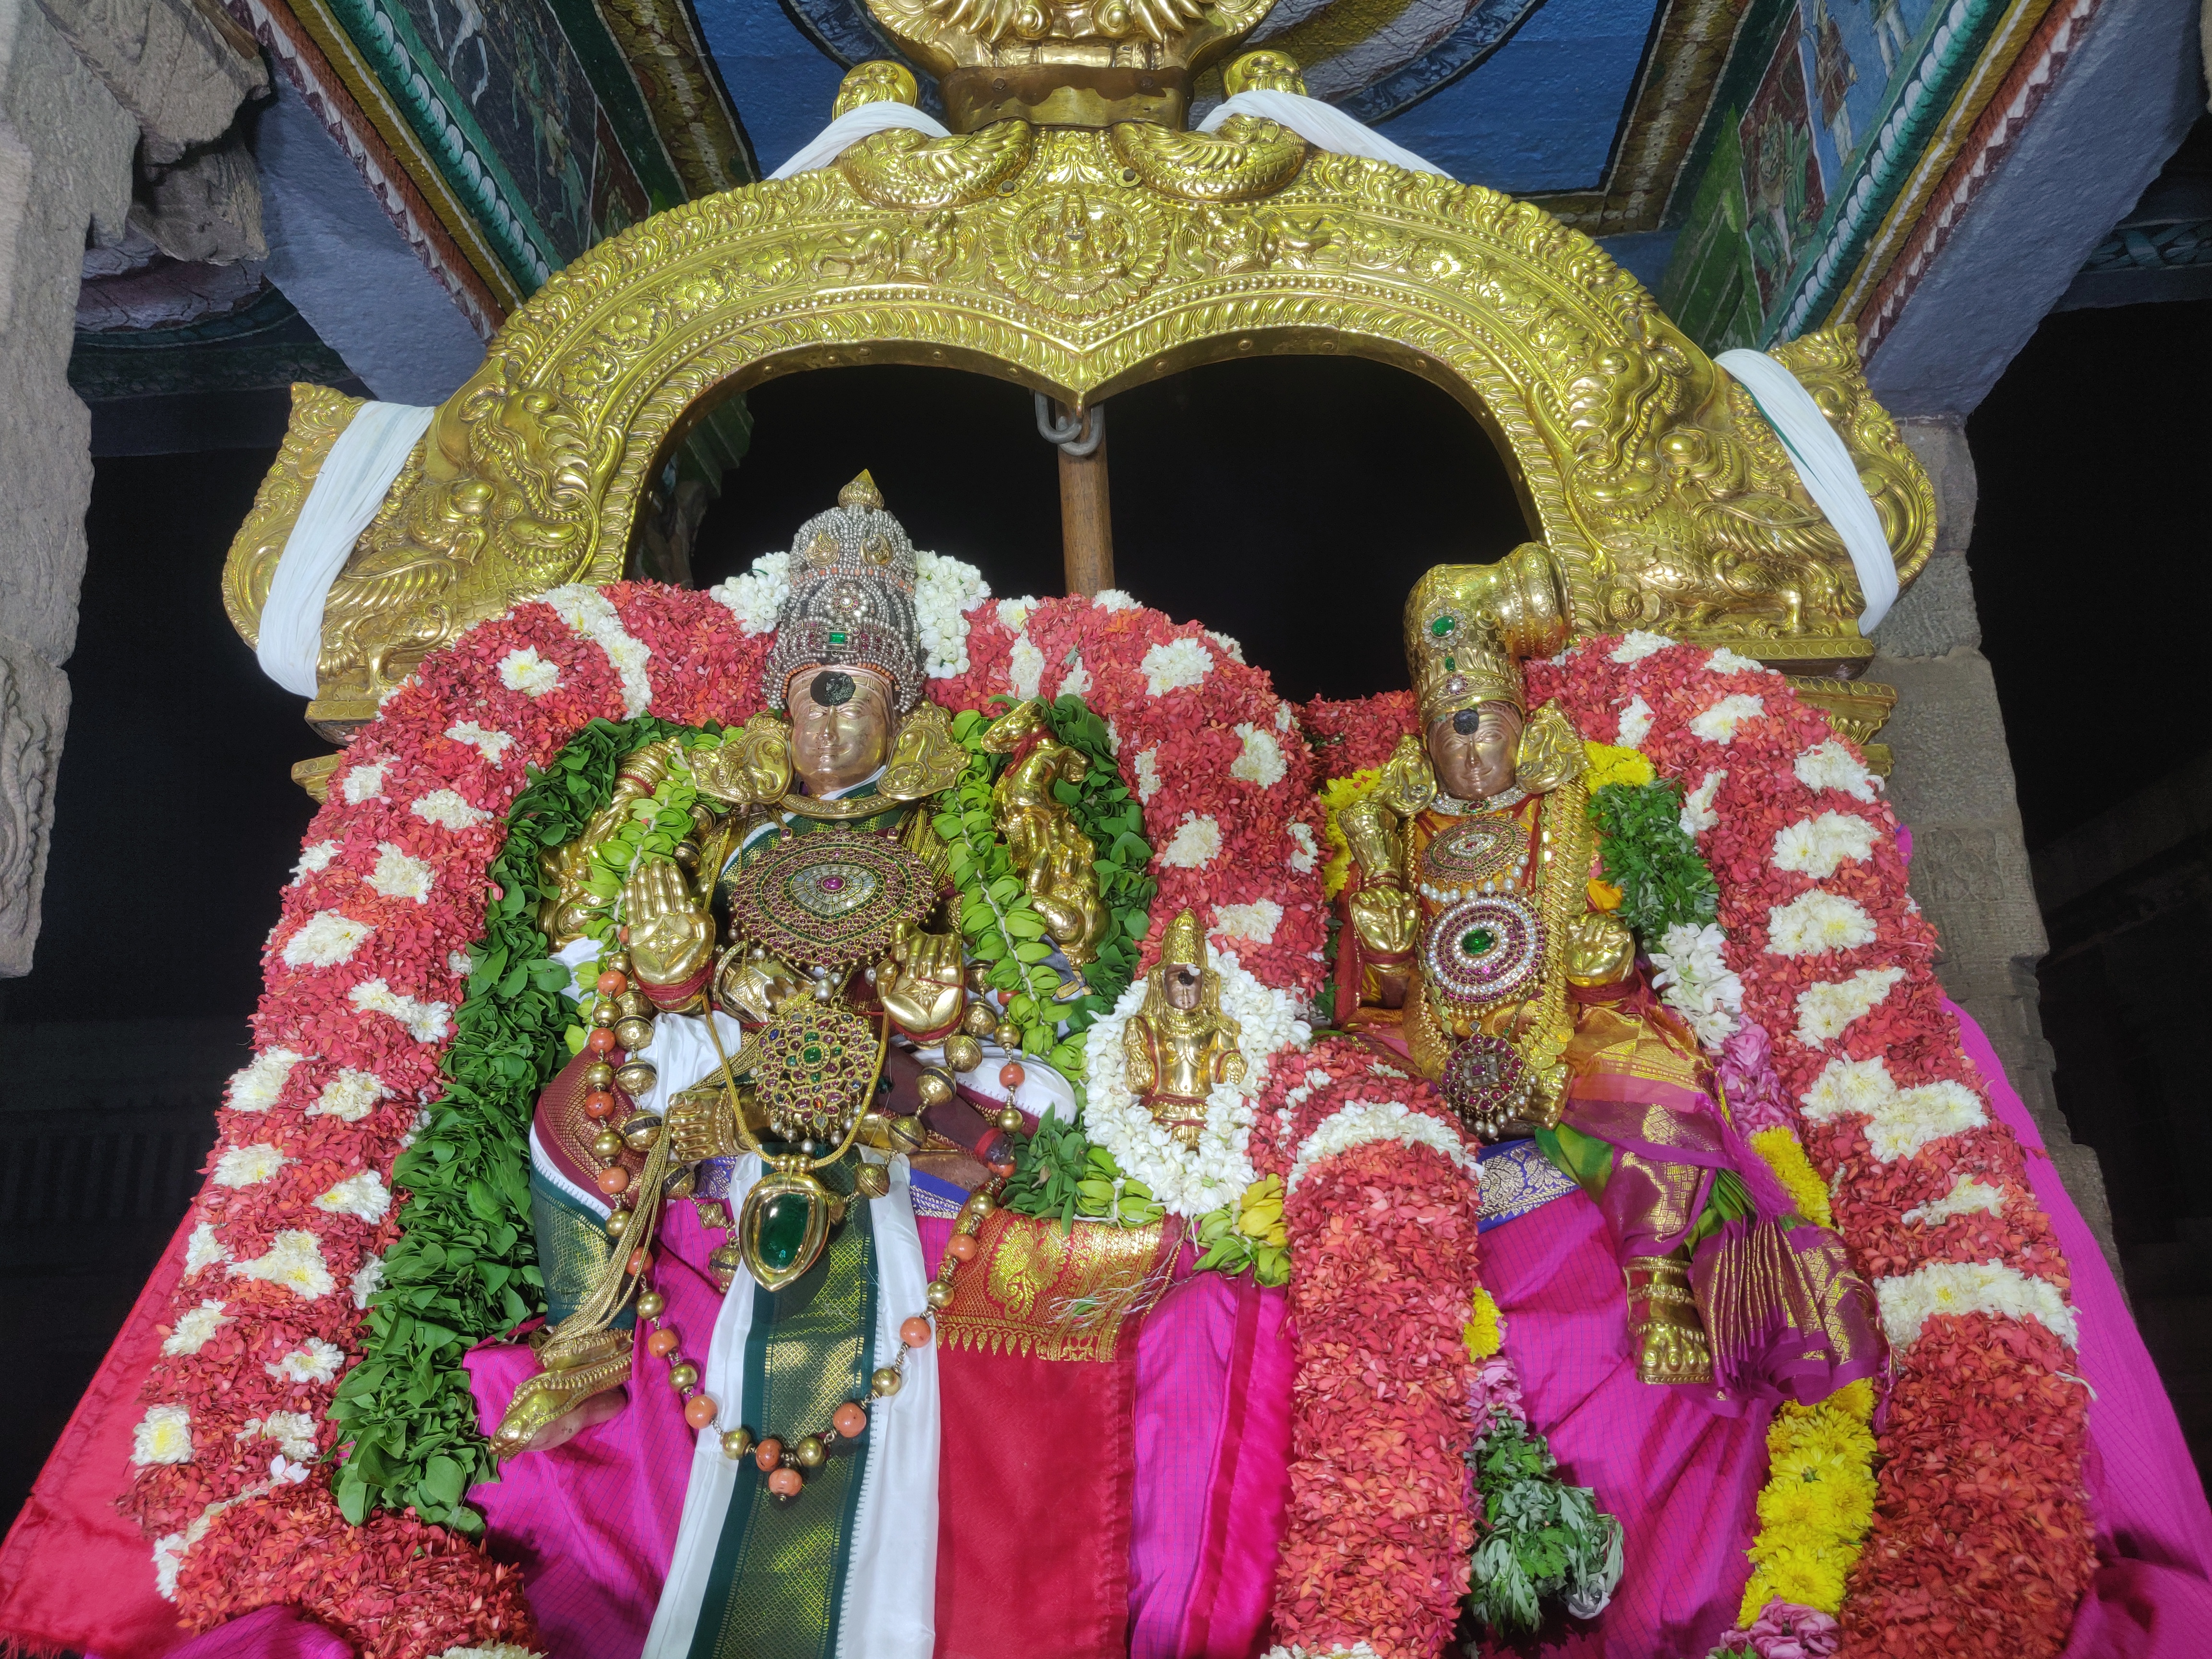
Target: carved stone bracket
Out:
[34,701]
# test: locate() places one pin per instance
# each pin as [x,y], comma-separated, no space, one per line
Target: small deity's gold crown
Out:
[1066,63]
[1469,627]
[852,572]
[1185,944]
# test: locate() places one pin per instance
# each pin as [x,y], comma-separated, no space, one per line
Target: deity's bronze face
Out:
[1184,985]
[1473,751]
[840,725]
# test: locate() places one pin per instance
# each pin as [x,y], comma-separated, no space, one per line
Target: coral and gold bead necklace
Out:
[785,1462]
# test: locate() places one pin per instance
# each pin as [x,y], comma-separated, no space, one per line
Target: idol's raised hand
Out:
[670,936]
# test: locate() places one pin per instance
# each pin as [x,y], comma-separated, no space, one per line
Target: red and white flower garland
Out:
[1980,1541]
[369,960]
[1212,752]
[1382,1212]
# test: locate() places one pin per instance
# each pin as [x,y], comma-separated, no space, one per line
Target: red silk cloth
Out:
[74,1571]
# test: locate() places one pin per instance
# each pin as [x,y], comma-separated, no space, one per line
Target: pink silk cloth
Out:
[595,1524]
[1215,1362]
[2152,1594]
[592,1525]
[1680,1479]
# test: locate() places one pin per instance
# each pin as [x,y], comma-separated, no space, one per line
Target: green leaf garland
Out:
[1653,861]
[464,1266]
[998,920]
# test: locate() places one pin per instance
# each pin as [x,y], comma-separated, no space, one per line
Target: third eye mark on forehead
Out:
[830,688]
[1468,721]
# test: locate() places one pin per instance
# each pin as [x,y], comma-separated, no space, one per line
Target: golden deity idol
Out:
[1179,1045]
[1477,938]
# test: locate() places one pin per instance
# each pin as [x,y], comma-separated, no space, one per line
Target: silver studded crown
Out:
[852,600]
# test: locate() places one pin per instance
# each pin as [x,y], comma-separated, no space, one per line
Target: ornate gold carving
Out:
[1079,251]
[878,82]
[1056,860]
[1066,63]
[902,169]
[1857,709]
[1666,500]
[1247,158]
[926,760]
[749,766]
[1551,752]
[315,776]
[318,414]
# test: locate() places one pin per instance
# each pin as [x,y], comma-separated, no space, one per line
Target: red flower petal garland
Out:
[1981,1540]
[368,963]
[364,971]
[1355,734]
[1383,1283]
[394,1589]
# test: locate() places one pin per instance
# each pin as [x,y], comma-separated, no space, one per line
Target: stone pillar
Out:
[65,149]
[1953,785]
[80,86]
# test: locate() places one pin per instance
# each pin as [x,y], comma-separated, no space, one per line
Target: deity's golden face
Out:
[840,725]
[1183,984]
[1473,751]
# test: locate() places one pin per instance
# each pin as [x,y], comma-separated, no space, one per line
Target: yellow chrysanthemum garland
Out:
[1485,1334]
[1608,764]
[1785,1155]
[1817,1504]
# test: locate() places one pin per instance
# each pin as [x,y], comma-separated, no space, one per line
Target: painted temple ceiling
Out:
[1766,167]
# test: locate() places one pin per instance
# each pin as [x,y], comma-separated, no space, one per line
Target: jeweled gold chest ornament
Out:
[816,1071]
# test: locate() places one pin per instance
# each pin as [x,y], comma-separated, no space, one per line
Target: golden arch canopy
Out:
[1080,262]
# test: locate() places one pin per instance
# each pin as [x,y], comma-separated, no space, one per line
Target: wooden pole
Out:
[1086,519]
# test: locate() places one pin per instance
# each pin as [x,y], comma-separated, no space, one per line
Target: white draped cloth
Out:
[1322,125]
[855,124]
[348,490]
[1830,476]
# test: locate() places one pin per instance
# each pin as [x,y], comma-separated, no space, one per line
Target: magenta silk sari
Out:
[594,1523]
